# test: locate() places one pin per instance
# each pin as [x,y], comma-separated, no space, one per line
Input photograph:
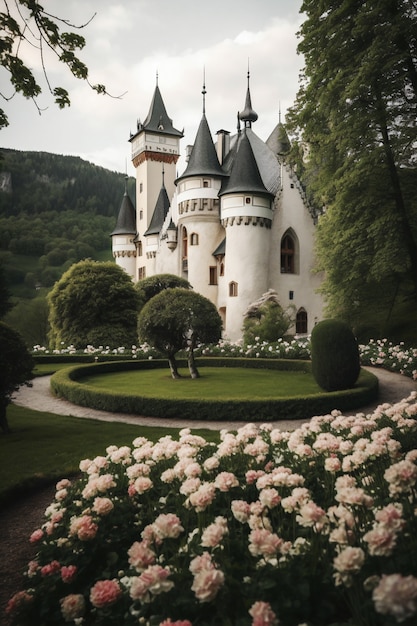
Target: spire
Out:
[126,219]
[160,212]
[157,119]
[203,159]
[245,176]
[248,115]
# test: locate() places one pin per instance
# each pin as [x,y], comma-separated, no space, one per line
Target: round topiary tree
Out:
[178,319]
[16,367]
[334,355]
[94,304]
[149,287]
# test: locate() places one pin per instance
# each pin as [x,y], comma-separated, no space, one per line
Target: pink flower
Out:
[204,496]
[102,506]
[36,535]
[225,481]
[142,484]
[240,510]
[51,568]
[201,562]
[83,527]
[105,592]
[262,614]
[179,622]
[269,497]
[68,573]
[72,607]
[347,562]
[167,525]
[264,543]
[396,595]
[18,602]
[140,555]
[401,476]
[381,540]
[152,581]
[312,515]
[214,533]
[207,583]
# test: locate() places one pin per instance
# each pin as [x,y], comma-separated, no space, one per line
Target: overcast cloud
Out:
[129,42]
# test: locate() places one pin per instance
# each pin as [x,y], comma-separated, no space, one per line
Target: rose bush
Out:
[317,526]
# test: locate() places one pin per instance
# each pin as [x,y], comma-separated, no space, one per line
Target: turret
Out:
[124,234]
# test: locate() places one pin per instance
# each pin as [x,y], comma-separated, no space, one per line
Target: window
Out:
[206,183]
[184,250]
[301,322]
[142,273]
[233,289]
[221,269]
[287,254]
[141,214]
[194,239]
[247,200]
[140,248]
[213,275]
[140,187]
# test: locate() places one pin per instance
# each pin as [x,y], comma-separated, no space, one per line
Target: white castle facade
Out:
[235,223]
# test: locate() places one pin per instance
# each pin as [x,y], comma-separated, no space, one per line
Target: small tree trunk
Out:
[173,367]
[191,364]
[4,424]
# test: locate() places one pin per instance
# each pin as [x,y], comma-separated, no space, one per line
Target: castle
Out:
[235,223]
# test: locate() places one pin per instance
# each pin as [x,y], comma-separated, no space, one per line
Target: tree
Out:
[5,304]
[150,287]
[27,22]
[177,319]
[266,320]
[16,367]
[30,319]
[93,304]
[356,110]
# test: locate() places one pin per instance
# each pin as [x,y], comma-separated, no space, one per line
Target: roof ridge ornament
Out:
[248,115]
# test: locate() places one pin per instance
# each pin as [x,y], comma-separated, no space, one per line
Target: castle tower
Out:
[124,234]
[151,235]
[246,214]
[155,143]
[199,228]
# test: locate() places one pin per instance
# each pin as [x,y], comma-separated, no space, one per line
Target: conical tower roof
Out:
[126,219]
[160,212]
[278,140]
[245,176]
[157,120]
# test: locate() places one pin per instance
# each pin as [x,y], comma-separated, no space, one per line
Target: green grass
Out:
[44,447]
[215,383]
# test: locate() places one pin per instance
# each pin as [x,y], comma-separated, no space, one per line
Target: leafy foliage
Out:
[266,320]
[150,287]
[356,111]
[26,23]
[16,366]
[93,304]
[334,355]
[178,319]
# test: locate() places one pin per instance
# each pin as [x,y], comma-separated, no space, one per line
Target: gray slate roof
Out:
[203,158]
[160,213]
[126,219]
[157,119]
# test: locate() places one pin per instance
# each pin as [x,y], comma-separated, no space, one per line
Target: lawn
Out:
[44,447]
[215,383]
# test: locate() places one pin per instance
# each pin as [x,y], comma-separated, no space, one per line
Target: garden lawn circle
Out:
[76,384]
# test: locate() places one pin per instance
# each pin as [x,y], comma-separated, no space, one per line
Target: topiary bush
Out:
[334,355]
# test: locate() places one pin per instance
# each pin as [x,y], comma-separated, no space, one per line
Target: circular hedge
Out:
[68,384]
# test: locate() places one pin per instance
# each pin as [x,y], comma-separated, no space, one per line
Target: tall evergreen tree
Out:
[356,110]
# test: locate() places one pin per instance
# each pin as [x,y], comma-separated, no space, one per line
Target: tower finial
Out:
[157,78]
[204,91]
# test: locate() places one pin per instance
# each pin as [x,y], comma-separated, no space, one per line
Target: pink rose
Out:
[225,481]
[207,583]
[72,607]
[83,527]
[51,568]
[102,506]
[105,592]
[262,614]
[36,535]
[68,573]
[18,602]
[140,555]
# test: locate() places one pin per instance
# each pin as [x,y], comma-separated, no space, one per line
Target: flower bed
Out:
[317,526]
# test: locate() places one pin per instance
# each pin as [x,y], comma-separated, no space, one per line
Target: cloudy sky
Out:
[129,42]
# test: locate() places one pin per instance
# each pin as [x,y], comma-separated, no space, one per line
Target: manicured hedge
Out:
[66,383]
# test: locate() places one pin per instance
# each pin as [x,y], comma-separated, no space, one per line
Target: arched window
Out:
[287,254]
[301,324]
[184,250]
[194,239]
[232,289]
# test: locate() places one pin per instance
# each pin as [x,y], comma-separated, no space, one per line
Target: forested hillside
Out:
[54,210]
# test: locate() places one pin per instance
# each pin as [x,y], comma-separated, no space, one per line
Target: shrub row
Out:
[68,384]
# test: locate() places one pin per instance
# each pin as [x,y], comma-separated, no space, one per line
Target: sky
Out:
[130,45]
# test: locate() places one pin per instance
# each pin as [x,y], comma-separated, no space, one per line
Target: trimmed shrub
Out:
[334,355]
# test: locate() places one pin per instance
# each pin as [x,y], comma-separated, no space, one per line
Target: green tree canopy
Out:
[16,367]
[356,111]
[27,22]
[150,287]
[93,304]
[177,319]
